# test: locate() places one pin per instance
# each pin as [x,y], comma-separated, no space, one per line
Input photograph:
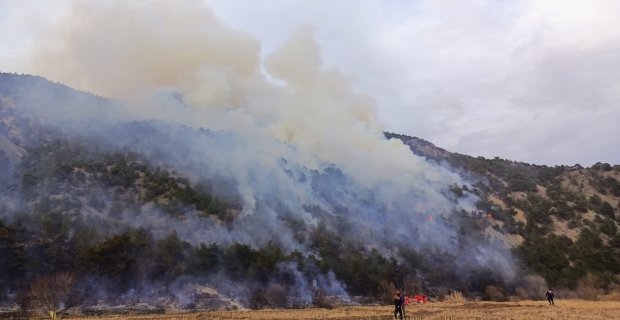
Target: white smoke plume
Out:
[123,48]
[286,111]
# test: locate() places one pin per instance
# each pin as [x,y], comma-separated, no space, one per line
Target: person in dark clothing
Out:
[550,295]
[398,304]
[402,303]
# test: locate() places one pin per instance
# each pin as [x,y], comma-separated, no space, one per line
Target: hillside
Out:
[152,210]
[561,221]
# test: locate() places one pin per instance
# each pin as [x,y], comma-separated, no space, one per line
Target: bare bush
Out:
[494,293]
[387,291]
[520,294]
[321,300]
[591,280]
[54,294]
[532,288]
[589,287]
[256,301]
[412,286]
[614,287]
[440,293]
[588,293]
[613,296]
[24,301]
[566,294]
[276,296]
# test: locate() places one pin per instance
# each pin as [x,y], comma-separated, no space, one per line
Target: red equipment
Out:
[417,299]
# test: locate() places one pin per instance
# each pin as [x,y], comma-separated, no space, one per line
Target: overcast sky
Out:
[534,81]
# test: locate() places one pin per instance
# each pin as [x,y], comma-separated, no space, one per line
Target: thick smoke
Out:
[291,133]
[122,49]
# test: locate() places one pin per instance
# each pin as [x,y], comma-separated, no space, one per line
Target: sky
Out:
[532,81]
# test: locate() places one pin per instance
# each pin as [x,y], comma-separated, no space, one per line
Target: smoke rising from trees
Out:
[288,137]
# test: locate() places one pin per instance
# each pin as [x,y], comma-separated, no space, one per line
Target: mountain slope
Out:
[135,206]
[538,206]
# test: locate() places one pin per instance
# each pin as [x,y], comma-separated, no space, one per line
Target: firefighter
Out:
[398,305]
[549,296]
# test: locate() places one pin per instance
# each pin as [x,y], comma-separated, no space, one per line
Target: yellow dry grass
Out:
[564,309]
[454,297]
[614,296]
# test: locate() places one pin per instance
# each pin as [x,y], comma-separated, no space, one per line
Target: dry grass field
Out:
[564,309]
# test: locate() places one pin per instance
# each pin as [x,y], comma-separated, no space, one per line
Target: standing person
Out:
[550,295]
[402,303]
[398,304]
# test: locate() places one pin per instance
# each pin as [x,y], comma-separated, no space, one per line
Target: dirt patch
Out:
[509,240]
[590,215]
[520,216]
[561,227]
[12,151]
[542,190]
[497,201]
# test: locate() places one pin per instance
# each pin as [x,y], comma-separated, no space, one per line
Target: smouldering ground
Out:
[566,309]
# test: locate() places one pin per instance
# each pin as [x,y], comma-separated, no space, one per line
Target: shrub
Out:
[607,210]
[612,296]
[24,301]
[321,300]
[54,294]
[615,189]
[440,293]
[256,301]
[387,291]
[532,288]
[494,293]
[521,294]
[615,241]
[609,227]
[574,223]
[589,287]
[588,293]
[276,296]
[454,297]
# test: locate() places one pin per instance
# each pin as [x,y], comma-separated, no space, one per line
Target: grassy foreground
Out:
[564,309]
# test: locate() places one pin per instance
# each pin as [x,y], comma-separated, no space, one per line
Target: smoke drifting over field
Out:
[291,135]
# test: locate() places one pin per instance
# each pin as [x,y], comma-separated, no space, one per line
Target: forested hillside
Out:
[561,221]
[145,208]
